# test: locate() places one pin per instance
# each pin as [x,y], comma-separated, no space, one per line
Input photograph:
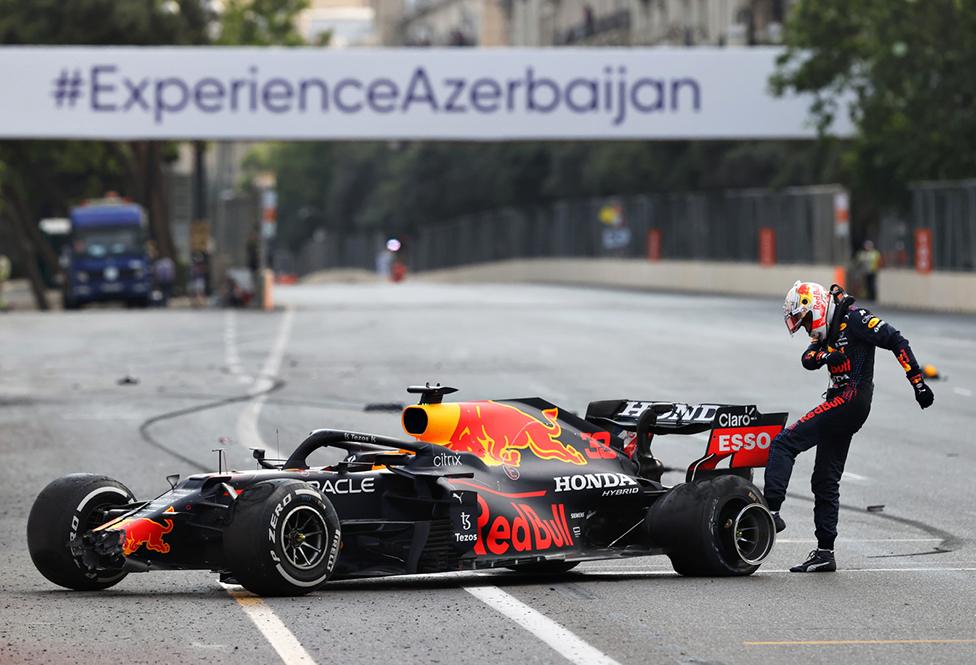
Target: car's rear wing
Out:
[739,433]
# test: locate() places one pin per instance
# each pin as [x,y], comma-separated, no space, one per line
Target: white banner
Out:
[481,94]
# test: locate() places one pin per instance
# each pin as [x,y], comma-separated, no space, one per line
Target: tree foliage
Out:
[44,178]
[98,22]
[398,187]
[907,68]
[261,23]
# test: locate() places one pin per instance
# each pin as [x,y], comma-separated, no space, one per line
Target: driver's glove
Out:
[923,394]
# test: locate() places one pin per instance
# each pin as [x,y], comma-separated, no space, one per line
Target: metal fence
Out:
[719,226]
[948,211]
[236,216]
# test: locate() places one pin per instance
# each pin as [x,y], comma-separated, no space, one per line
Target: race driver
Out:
[843,337]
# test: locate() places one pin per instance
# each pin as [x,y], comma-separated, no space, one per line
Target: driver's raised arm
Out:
[874,330]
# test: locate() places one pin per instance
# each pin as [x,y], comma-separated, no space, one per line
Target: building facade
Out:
[590,22]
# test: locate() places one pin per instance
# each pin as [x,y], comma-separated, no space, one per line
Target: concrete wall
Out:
[693,276]
[898,288]
[940,291]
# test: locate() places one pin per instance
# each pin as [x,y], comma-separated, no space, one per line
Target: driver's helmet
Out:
[808,305]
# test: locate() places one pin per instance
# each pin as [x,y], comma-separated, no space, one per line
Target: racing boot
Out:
[778,522]
[819,561]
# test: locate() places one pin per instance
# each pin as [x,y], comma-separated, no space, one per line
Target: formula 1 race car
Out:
[519,484]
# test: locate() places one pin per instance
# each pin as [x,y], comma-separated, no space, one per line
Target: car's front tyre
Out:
[283,540]
[64,510]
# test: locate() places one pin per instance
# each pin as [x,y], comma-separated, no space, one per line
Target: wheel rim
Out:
[304,536]
[753,533]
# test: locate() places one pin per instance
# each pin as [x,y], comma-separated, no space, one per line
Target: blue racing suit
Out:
[848,354]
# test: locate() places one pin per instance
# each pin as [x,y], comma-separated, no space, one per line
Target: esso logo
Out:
[733,443]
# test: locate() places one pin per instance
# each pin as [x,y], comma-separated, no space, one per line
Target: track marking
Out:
[274,630]
[802,643]
[965,392]
[864,540]
[562,641]
[285,644]
[670,573]
[247,422]
[232,357]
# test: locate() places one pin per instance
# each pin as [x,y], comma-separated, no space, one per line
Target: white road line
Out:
[965,392]
[562,641]
[232,357]
[670,573]
[854,476]
[864,540]
[274,630]
[247,422]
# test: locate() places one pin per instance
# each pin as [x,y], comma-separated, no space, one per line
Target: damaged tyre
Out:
[715,527]
[64,510]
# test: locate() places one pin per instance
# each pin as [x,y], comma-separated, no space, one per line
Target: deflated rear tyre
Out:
[283,540]
[65,509]
[716,527]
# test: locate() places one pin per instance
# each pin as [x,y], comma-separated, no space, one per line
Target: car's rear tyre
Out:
[66,508]
[283,540]
[716,527]
[544,567]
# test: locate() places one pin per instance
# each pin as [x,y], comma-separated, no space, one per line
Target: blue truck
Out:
[106,257]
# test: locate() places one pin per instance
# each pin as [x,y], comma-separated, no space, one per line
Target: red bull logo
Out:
[498,433]
[526,532]
[141,531]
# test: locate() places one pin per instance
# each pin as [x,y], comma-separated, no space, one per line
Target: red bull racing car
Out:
[518,484]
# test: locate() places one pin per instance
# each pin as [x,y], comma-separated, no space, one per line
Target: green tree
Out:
[906,67]
[261,23]
[46,177]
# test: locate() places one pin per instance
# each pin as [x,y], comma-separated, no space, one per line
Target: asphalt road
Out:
[906,592]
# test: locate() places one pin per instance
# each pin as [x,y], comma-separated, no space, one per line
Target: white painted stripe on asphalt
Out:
[282,640]
[232,357]
[564,642]
[863,540]
[665,573]
[247,422]
[965,392]
[274,630]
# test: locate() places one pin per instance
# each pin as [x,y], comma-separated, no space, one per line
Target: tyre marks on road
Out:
[564,642]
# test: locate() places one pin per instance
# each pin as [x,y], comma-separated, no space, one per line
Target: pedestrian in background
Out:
[198,279]
[164,274]
[869,262]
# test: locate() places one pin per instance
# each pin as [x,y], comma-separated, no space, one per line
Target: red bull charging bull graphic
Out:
[496,432]
[142,531]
